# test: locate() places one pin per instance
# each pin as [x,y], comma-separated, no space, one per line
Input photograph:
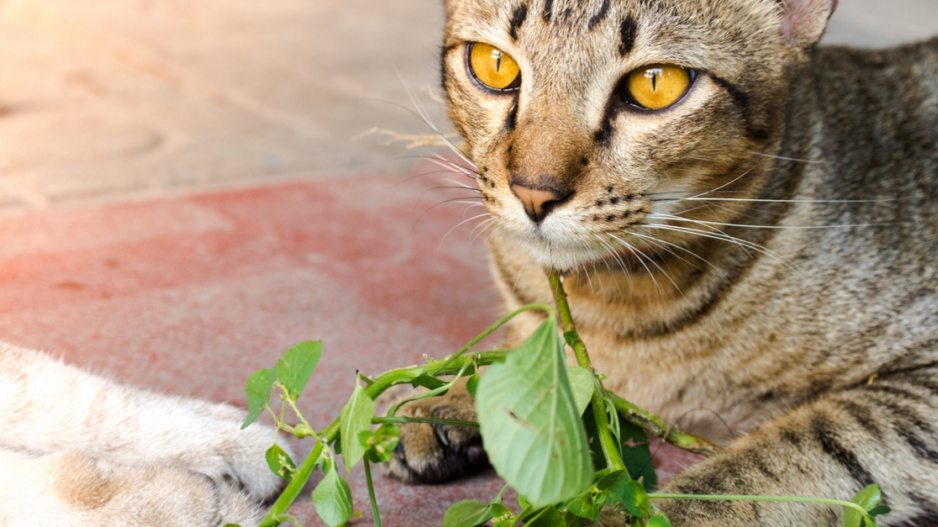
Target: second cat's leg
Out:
[76,489]
[50,407]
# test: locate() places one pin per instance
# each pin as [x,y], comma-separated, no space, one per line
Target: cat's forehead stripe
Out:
[548,10]
[600,16]
[628,33]
[517,20]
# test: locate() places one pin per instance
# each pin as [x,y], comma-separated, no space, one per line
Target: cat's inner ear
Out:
[804,21]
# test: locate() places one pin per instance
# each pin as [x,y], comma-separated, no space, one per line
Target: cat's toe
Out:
[246,464]
[435,453]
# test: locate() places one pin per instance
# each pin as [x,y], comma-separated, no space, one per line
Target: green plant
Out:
[538,418]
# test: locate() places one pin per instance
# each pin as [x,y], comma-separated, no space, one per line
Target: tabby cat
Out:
[748,224]
[79,450]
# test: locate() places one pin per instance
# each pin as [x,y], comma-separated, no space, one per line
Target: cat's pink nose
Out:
[538,202]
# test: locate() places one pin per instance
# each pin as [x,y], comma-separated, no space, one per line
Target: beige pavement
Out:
[119,99]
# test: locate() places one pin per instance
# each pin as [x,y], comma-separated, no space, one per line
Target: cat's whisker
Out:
[692,209]
[728,183]
[479,230]
[452,167]
[589,280]
[759,200]
[524,265]
[621,261]
[615,254]
[652,262]
[743,244]
[696,191]
[655,242]
[654,239]
[458,225]
[470,168]
[775,227]
[434,206]
[462,185]
[429,122]
[794,159]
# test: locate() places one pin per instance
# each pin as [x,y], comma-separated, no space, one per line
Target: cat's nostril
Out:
[538,202]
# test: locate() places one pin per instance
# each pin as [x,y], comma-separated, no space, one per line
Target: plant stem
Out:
[658,428]
[628,411]
[788,499]
[609,444]
[371,494]
[280,507]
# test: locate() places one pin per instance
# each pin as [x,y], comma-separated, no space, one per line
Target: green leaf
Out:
[530,426]
[658,521]
[584,507]
[380,444]
[631,493]
[302,430]
[870,499]
[297,365]
[581,381]
[636,454]
[280,462]
[548,517]
[332,497]
[472,385]
[523,502]
[638,461]
[469,513]
[258,389]
[355,419]
[426,381]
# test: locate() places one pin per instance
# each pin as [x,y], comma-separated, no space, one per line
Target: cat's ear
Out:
[804,21]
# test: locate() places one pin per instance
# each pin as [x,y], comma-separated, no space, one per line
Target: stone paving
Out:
[184,194]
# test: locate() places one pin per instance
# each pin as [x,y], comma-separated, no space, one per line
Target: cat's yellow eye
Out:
[659,85]
[493,67]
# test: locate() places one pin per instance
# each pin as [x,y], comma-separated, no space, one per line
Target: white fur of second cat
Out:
[78,449]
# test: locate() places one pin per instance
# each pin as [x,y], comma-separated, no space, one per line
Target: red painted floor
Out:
[190,295]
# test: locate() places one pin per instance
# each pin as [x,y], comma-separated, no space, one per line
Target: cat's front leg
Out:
[880,433]
[51,407]
[80,489]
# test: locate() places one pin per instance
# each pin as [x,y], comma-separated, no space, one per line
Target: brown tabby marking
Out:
[764,249]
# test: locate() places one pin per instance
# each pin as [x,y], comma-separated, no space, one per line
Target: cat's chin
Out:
[573,258]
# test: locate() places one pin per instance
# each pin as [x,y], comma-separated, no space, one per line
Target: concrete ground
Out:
[183,197]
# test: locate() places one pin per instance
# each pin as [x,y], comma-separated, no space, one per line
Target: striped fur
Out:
[766,250]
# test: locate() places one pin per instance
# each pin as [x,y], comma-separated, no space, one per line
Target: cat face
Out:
[597,125]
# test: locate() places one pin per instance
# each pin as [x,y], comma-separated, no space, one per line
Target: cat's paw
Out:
[76,488]
[436,453]
[237,457]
